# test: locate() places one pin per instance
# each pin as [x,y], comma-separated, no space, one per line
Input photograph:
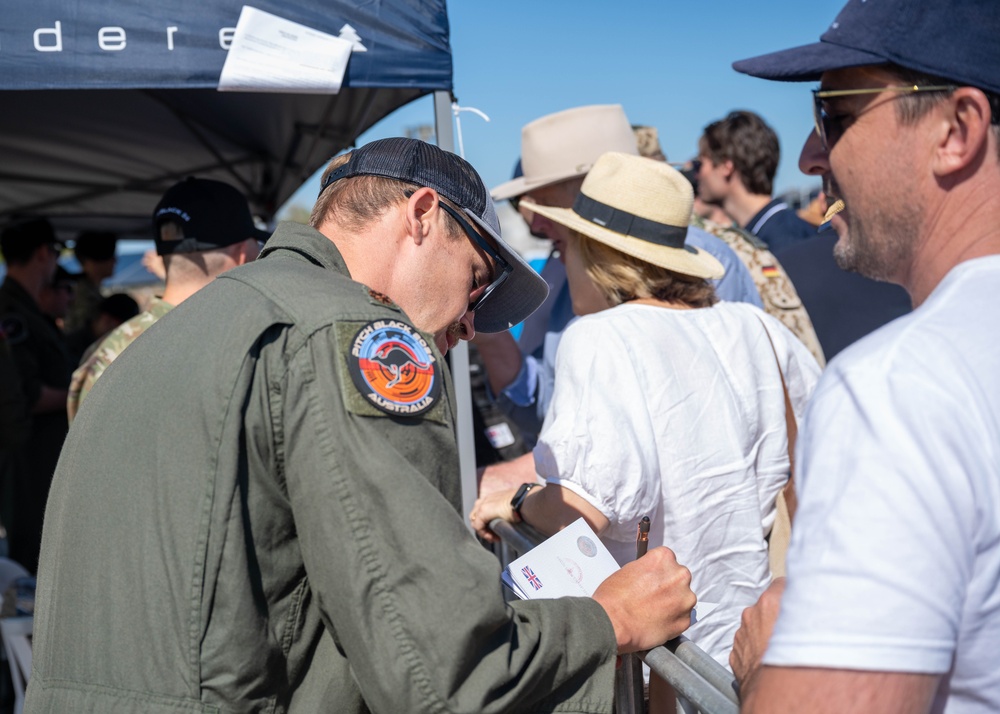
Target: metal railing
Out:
[694,675]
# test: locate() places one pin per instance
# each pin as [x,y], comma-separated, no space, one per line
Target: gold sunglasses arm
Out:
[831,93]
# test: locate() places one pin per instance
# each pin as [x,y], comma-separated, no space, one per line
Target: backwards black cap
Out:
[453,177]
[213,215]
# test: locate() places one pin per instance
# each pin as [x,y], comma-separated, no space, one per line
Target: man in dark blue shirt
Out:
[738,157]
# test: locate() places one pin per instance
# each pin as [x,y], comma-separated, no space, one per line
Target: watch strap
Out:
[519,496]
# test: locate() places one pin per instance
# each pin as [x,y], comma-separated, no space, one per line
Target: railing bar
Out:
[702,663]
[688,683]
[692,673]
[517,537]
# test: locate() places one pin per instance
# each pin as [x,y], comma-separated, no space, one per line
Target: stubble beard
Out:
[877,253]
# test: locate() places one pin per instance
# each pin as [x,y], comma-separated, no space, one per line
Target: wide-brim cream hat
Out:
[562,146]
[640,207]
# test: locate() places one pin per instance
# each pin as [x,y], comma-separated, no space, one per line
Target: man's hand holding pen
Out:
[649,601]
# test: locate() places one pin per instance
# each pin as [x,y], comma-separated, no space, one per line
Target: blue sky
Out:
[667,62]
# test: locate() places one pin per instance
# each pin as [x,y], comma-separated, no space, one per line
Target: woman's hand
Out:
[494,505]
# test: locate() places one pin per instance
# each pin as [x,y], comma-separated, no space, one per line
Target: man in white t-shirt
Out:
[892,602]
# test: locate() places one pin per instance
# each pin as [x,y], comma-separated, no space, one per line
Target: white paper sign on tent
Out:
[272,54]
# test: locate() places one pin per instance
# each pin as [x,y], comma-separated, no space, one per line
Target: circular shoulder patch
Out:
[13,329]
[393,368]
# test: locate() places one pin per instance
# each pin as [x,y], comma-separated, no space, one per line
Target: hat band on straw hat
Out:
[629,224]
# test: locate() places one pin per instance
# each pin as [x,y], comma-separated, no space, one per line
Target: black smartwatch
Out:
[518,500]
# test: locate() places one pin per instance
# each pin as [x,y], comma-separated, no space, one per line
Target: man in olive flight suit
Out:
[43,368]
[271,522]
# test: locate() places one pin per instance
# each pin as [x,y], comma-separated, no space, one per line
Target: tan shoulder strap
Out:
[787,502]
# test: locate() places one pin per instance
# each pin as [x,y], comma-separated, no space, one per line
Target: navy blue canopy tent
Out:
[104,104]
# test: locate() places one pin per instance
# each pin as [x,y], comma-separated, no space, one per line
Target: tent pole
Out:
[442,121]
[459,356]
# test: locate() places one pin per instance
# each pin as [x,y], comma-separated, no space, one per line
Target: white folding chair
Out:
[16,633]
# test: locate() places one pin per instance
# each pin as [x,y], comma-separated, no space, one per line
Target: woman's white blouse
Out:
[680,415]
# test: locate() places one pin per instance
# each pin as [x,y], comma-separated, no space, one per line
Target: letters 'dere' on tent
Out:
[104,105]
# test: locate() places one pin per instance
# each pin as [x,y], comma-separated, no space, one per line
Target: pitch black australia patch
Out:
[394,368]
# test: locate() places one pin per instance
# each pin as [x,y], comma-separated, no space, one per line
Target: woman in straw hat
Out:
[667,403]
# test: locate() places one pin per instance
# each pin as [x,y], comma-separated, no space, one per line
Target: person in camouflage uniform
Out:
[108,350]
[202,229]
[776,290]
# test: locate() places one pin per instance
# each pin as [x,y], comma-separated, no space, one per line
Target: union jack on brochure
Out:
[572,563]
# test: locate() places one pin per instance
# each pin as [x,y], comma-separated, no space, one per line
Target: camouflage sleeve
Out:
[776,290]
[107,352]
[83,381]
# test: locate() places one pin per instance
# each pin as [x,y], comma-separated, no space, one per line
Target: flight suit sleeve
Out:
[410,596]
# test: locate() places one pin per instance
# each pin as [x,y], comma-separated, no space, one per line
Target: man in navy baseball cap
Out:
[892,601]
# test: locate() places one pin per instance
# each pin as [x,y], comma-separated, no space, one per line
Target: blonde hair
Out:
[621,277]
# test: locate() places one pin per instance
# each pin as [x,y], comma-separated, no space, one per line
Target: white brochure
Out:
[572,563]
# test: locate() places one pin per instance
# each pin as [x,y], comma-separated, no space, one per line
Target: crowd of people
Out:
[59,330]
[48,318]
[256,506]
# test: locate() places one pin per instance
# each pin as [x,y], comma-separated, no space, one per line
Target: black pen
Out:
[642,538]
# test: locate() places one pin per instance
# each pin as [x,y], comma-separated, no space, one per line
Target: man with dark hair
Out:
[892,601]
[272,520]
[739,156]
[43,365]
[95,251]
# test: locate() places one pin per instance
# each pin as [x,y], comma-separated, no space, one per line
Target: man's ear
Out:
[421,211]
[247,251]
[961,131]
[728,168]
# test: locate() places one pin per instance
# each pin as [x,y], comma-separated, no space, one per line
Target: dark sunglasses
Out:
[502,269]
[831,128]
